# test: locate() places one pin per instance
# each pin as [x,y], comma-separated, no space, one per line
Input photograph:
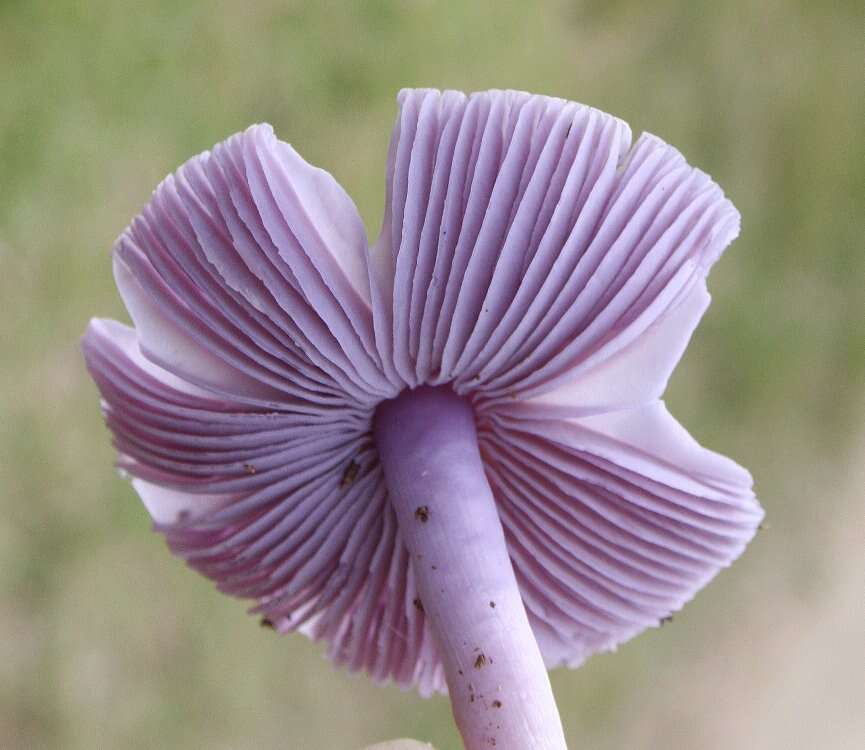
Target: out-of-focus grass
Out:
[105,641]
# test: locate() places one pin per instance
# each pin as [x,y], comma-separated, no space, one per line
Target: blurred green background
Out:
[108,642]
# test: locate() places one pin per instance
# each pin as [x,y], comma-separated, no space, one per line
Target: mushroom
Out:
[445,455]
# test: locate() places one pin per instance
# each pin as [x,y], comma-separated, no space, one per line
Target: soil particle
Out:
[350,474]
[481,661]
[422,513]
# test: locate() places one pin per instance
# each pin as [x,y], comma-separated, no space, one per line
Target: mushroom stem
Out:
[499,688]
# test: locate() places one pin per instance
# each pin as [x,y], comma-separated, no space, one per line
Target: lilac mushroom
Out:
[445,455]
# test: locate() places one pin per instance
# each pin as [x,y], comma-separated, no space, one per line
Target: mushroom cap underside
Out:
[530,258]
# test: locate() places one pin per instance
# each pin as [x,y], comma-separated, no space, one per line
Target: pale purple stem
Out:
[499,688]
